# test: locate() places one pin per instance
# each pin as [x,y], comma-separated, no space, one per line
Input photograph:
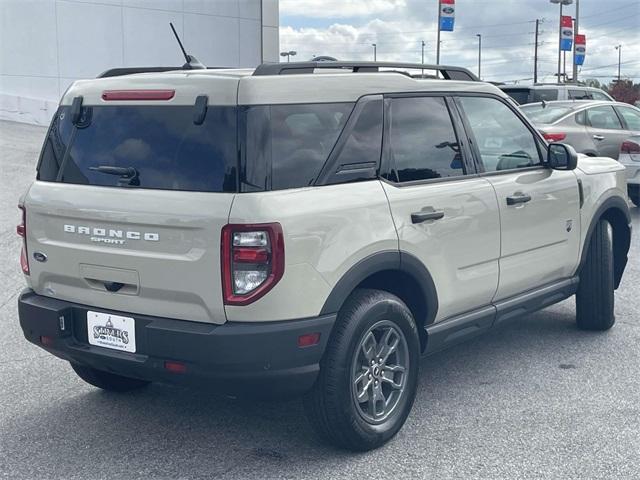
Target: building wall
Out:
[47,44]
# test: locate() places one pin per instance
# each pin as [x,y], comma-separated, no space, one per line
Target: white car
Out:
[305,228]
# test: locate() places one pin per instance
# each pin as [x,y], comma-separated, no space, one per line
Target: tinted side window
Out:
[603,117]
[545,94]
[503,140]
[422,142]
[521,96]
[289,143]
[365,139]
[631,117]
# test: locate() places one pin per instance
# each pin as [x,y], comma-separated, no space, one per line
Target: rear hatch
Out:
[135,183]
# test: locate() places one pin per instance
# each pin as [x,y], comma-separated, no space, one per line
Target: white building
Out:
[47,44]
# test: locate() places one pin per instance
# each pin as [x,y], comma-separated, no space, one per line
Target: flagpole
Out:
[438,40]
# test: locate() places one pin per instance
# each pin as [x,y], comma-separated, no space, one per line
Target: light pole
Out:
[619,48]
[289,54]
[479,53]
[562,3]
[374,51]
[423,44]
[575,32]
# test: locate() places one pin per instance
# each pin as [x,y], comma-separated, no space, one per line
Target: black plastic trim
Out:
[379,262]
[465,326]
[233,357]
[621,239]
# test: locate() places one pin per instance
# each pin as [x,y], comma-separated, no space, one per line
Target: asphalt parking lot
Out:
[537,399]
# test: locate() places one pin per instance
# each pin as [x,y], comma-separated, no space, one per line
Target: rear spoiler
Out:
[117,72]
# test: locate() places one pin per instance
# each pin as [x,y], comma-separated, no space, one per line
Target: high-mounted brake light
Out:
[112,95]
[629,147]
[554,137]
[252,261]
[21,230]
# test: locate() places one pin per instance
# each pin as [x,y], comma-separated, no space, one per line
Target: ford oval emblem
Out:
[39,256]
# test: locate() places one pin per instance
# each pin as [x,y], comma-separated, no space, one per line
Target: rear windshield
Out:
[547,114]
[156,147]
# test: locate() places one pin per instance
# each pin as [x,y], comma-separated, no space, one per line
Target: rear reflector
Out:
[250,255]
[44,340]
[629,147]
[554,137]
[21,230]
[175,367]
[308,339]
[109,95]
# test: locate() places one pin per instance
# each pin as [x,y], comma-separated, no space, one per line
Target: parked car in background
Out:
[594,128]
[538,93]
[630,158]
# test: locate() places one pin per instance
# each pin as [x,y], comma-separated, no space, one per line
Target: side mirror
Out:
[562,157]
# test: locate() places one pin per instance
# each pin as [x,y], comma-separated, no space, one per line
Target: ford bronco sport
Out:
[305,228]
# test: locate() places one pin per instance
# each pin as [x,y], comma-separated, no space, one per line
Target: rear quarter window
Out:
[286,146]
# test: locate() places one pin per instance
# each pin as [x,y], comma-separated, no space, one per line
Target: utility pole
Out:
[438,39]
[574,77]
[619,48]
[375,46]
[479,53]
[535,54]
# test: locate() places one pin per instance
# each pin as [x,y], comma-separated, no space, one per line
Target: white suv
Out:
[305,228]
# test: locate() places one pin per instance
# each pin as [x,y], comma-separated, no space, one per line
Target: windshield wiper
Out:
[128,175]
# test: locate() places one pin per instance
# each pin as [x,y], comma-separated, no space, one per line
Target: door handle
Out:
[598,137]
[419,217]
[518,198]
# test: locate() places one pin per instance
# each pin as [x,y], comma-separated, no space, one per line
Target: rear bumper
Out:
[632,170]
[261,359]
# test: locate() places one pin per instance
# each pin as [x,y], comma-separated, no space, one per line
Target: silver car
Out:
[595,128]
[630,158]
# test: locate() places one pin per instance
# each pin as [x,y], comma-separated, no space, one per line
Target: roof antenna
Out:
[192,62]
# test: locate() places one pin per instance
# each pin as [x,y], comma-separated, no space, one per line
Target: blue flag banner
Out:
[447,15]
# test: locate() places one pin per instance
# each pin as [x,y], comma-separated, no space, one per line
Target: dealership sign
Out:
[580,49]
[447,15]
[566,33]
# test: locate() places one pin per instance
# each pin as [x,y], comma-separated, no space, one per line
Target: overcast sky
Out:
[346,29]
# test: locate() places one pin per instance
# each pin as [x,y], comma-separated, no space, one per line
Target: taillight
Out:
[252,261]
[21,230]
[629,147]
[554,137]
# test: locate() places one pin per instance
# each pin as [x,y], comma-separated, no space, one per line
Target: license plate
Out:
[111,331]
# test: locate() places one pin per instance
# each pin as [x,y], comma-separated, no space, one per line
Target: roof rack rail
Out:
[449,73]
[117,72]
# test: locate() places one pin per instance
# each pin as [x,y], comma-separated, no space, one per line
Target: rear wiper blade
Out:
[128,175]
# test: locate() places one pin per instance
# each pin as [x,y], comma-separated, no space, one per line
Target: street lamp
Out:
[562,3]
[619,48]
[289,54]
[479,52]
[375,46]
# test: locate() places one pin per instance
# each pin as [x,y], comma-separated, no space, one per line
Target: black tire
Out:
[331,405]
[108,381]
[595,298]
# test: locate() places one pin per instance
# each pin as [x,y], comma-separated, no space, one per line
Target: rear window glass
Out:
[287,145]
[546,94]
[156,147]
[546,114]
